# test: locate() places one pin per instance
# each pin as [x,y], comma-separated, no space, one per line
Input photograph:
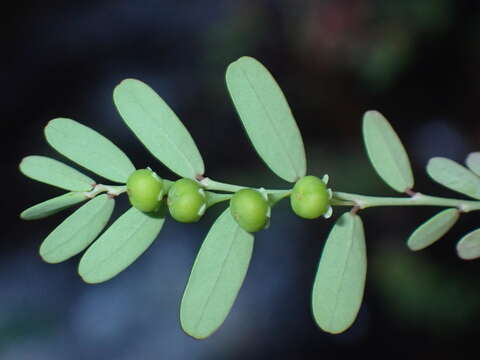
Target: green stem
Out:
[214,198]
[113,190]
[276,196]
[419,199]
[210,184]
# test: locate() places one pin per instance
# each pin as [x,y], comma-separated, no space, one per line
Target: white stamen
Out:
[155,176]
[329,213]
[325,179]
[201,211]
[264,193]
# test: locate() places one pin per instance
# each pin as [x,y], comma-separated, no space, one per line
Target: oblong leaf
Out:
[119,246]
[52,206]
[56,173]
[158,128]
[267,118]
[216,277]
[454,176]
[77,231]
[468,248]
[340,279]
[433,229]
[89,149]
[473,162]
[386,152]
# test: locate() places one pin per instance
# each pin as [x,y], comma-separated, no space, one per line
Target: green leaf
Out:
[56,173]
[340,280]
[473,162]
[89,149]
[158,128]
[267,118]
[216,277]
[468,248]
[77,231]
[119,246]
[52,206]
[454,176]
[386,152]
[433,229]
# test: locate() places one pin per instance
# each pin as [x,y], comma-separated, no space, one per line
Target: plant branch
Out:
[419,199]
[210,184]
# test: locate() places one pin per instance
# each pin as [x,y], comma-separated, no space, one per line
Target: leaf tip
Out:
[86,276]
[371,115]
[45,257]
[22,164]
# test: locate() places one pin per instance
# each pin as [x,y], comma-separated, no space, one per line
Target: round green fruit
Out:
[145,190]
[310,198]
[250,209]
[186,201]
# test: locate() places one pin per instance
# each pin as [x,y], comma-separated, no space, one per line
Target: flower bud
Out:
[145,190]
[250,209]
[186,201]
[310,197]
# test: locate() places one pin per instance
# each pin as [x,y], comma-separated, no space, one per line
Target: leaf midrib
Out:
[205,306]
[389,154]
[272,123]
[163,132]
[342,282]
[120,247]
[88,220]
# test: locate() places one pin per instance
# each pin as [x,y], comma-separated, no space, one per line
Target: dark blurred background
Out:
[414,60]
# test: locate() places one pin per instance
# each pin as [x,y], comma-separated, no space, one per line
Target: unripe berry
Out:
[186,201]
[145,190]
[250,209]
[310,198]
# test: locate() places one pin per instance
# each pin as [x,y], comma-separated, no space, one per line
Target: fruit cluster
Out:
[187,200]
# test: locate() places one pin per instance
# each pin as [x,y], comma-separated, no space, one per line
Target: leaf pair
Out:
[83,146]
[391,162]
[123,242]
[458,178]
[259,101]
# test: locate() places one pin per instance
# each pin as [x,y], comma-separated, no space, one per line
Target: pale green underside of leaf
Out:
[267,118]
[77,231]
[433,229]
[386,152]
[119,246]
[340,279]
[454,176]
[473,162]
[216,277]
[56,173]
[52,206]
[468,248]
[158,128]
[89,149]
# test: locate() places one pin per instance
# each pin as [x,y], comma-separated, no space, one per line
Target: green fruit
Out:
[186,201]
[145,190]
[310,198]
[250,209]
